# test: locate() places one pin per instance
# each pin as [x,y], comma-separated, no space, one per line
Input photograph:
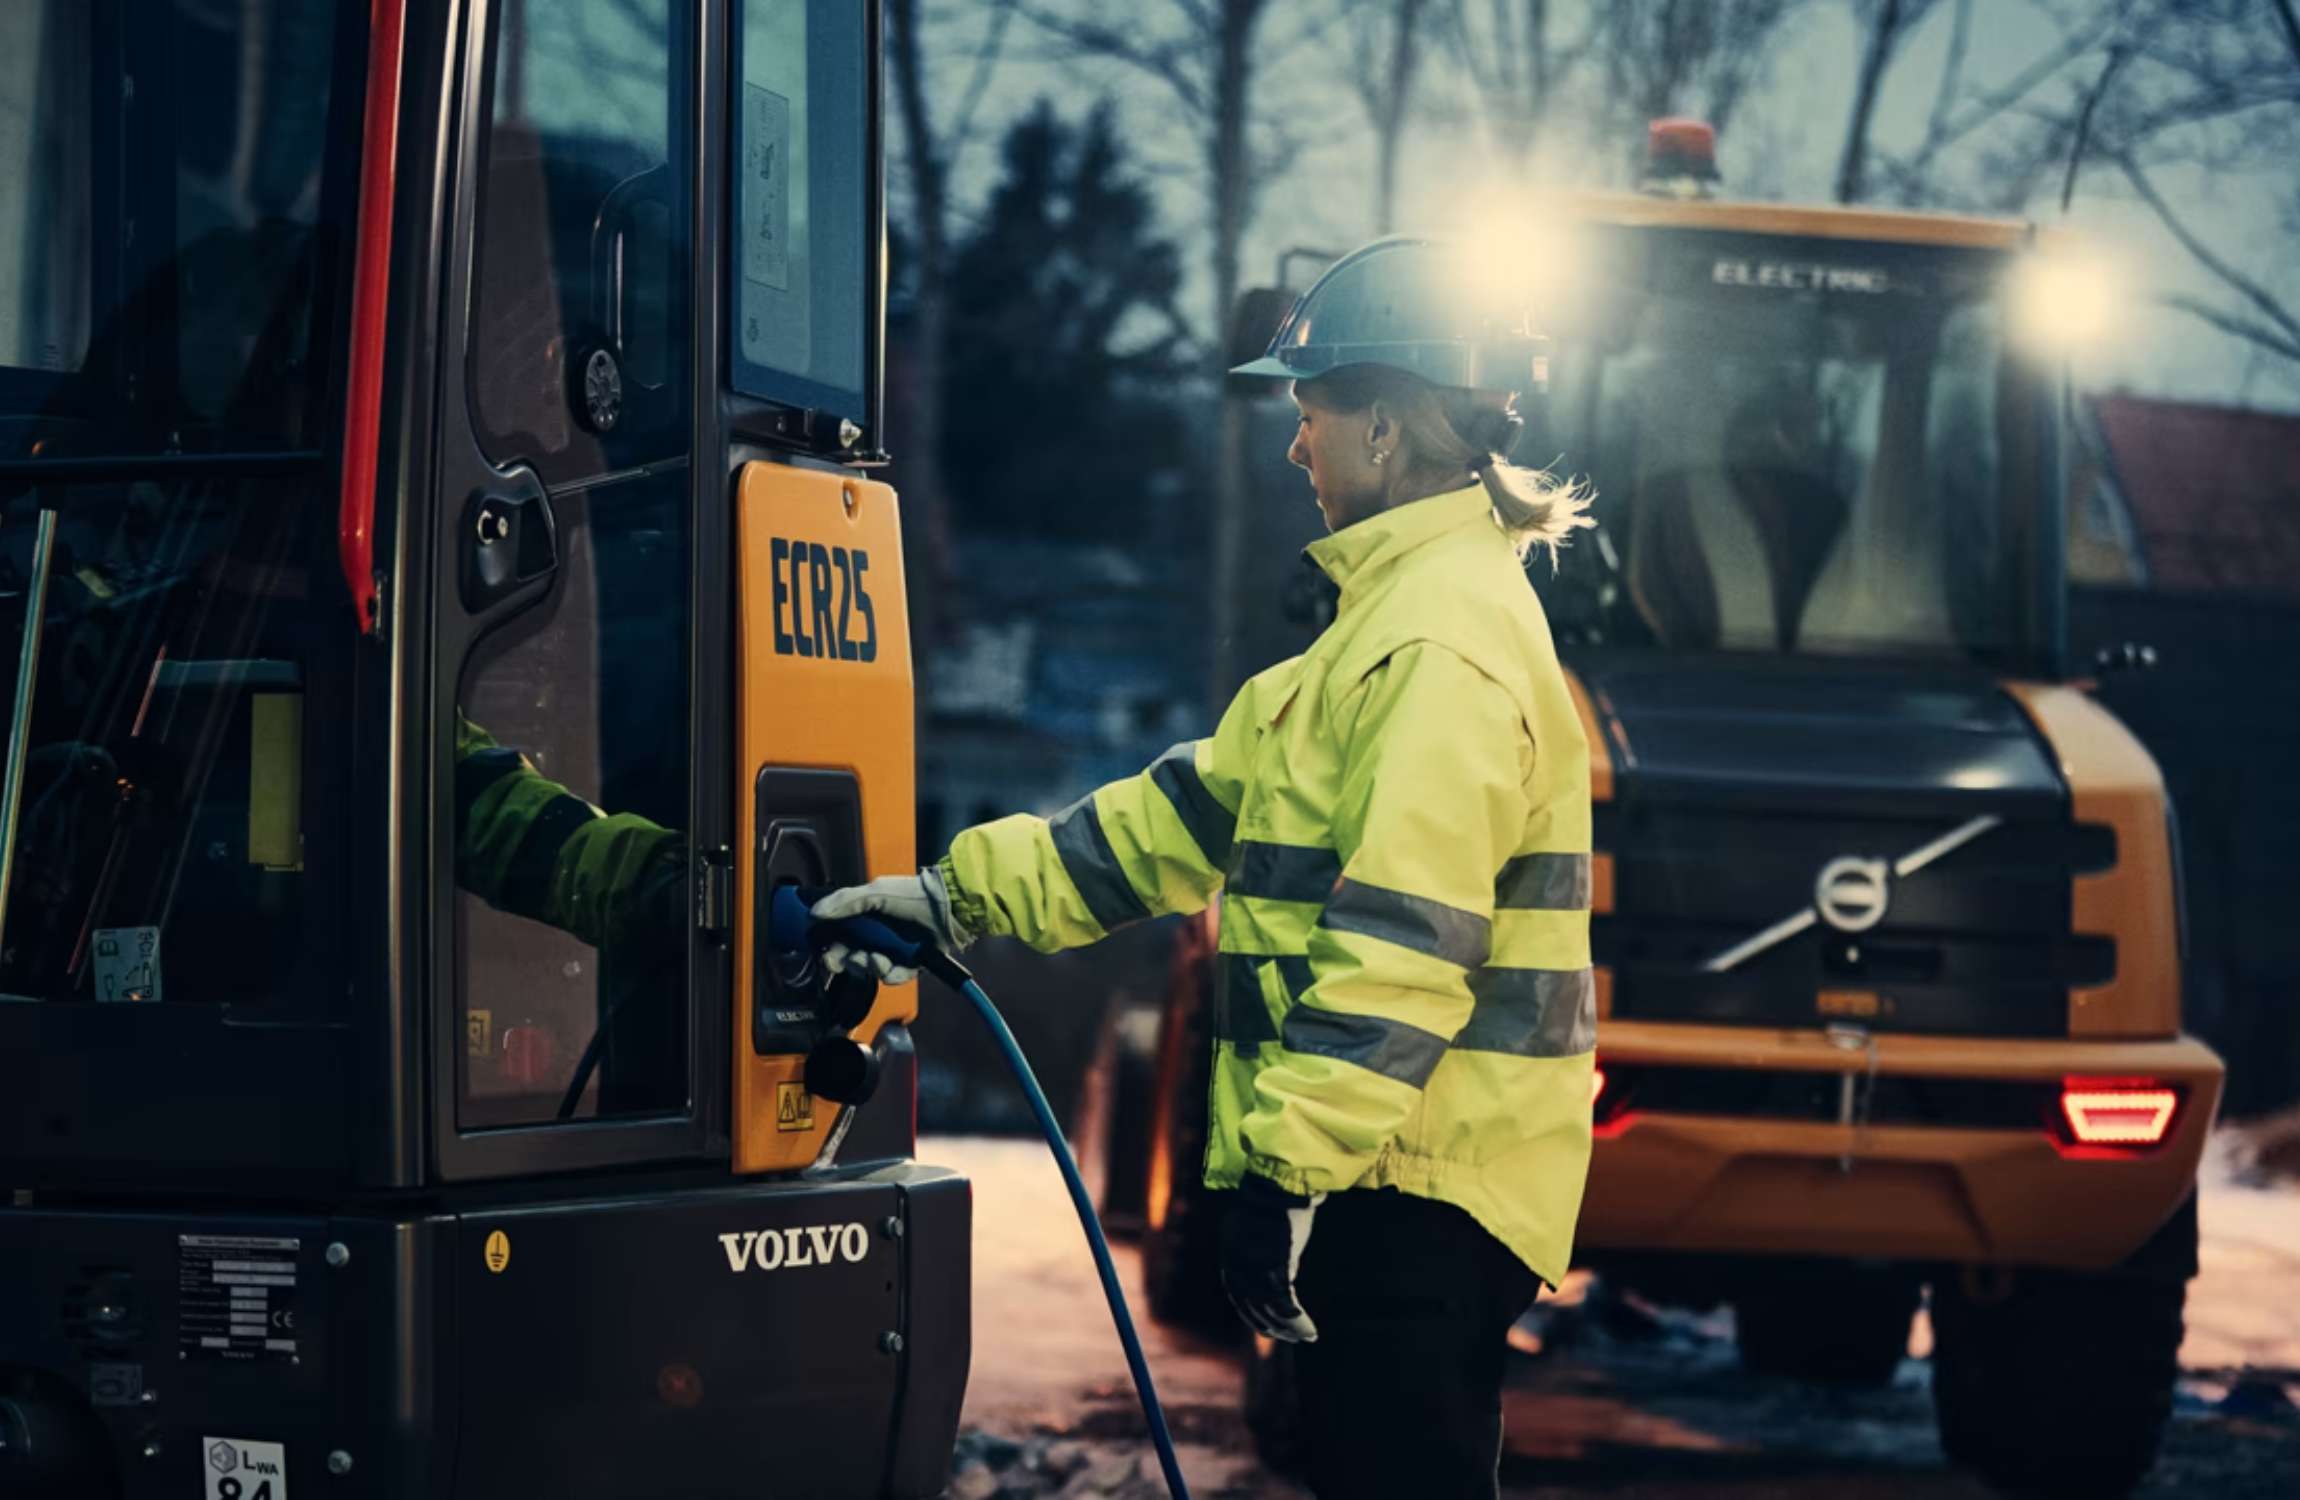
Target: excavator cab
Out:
[444,594]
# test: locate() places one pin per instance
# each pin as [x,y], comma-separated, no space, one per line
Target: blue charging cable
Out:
[794,930]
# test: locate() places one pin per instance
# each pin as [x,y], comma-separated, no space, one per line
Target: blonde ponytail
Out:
[1450,433]
[1535,507]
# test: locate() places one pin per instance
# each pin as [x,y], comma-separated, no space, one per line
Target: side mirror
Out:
[1253,323]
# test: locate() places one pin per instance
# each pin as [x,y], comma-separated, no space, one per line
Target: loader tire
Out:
[1181,1234]
[1833,1324]
[2059,1385]
[1115,1118]
[1274,1409]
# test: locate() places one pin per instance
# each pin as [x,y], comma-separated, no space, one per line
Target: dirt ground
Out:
[1604,1397]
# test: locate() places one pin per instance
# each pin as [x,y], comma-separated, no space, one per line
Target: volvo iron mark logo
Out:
[1851,894]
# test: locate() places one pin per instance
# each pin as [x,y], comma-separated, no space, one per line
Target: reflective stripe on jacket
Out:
[1399,822]
[528,846]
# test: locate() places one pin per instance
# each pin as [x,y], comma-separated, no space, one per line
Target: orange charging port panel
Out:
[822,683]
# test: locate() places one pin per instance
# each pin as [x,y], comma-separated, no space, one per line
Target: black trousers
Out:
[1401,1393]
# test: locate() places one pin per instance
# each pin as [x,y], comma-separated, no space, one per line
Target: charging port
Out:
[810,835]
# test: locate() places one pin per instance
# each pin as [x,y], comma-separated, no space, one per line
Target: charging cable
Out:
[794,930]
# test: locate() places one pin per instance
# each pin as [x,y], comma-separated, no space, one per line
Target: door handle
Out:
[510,539]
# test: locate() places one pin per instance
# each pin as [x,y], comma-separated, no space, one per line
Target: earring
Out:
[1381,455]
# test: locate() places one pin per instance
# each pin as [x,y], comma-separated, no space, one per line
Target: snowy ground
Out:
[1630,1406]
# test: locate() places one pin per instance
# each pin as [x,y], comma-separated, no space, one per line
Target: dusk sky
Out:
[1783,144]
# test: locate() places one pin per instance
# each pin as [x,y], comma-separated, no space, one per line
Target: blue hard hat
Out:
[1406,302]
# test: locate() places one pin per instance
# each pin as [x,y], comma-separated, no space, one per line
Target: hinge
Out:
[377,606]
[715,892]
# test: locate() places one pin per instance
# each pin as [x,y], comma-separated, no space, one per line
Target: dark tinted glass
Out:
[174,182]
[801,263]
[583,239]
[572,799]
[1798,447]
[174,187]
[182,807]
[574,743]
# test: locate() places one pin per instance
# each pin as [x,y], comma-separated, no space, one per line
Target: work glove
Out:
[1262,1239]
[917,899]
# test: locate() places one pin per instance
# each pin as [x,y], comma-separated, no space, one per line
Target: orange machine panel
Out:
[1639,210]
[822,680]
[1600,790]
[2002,1196]
[2113,782]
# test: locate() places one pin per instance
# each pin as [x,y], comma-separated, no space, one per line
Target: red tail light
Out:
[2118,1114]
[1609,1102]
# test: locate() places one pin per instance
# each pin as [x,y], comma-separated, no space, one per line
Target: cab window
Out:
[175,188]
[801,261]
[573,738]
[577,363]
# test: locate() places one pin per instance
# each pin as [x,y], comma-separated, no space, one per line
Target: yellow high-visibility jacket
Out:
[1398,821]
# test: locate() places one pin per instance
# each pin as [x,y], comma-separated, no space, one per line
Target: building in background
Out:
[2183,498]
[2184,537]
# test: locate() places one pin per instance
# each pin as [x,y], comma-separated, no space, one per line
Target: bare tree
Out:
[931,144]
[1960,112]
[2147,90]
[2261,317]
[1511,53]
[1206,56]
[1388,43]
[1598,73]
[1665,57]
[1888,23]
[2209,87]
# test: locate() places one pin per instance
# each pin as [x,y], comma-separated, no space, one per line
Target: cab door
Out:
[564,698]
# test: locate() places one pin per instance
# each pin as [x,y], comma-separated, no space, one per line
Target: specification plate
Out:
[237,1295]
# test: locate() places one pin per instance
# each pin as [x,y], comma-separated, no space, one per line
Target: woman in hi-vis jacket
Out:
[1398,823]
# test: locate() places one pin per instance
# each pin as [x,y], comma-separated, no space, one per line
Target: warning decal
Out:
[794,1107]
[236,1298]
[767,189]
[127,963]
[238,1469]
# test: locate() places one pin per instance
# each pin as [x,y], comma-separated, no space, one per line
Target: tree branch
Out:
[2099,91]
[1914,173]
[2252,292]
[2291,27]
[2201,108]
[1162,61]
[1997,101]
[1281,49]
[2236,327]
[985,64]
